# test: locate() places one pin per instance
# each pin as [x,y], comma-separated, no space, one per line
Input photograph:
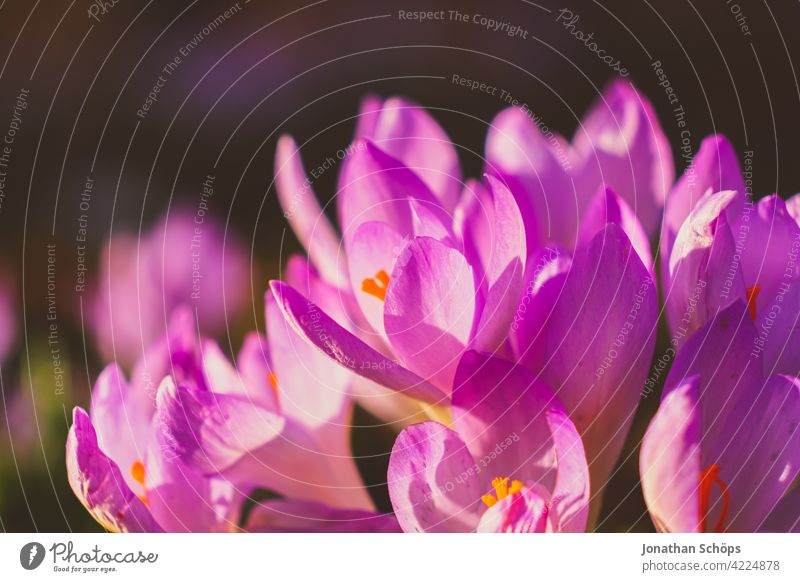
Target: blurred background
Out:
[91,154]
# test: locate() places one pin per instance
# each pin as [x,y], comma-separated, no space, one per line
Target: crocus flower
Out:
[581,315]
[594,326]
[407,133]
[714,168]
[619,145]
[417,296]
[185,258]
[730,249]
[184,455]
[117,463]
[724,446]
[513,461]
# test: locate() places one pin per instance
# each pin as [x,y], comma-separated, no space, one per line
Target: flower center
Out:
[377,285]
[501,490]
[708,479]
[752,295]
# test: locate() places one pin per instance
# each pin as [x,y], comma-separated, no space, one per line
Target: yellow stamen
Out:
[500,487]
[501,490]
[137,472]
[752,295]
[377,285]
[708,479]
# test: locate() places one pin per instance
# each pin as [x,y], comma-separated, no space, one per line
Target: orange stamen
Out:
[137,472]
[273,382]
[501,490]
[377,285]
[752,295]
[708,479]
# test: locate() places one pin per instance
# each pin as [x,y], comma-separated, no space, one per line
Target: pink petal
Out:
[253,363]
[704,275]
[374,248]
[312,389]
[719,354]
[536,169]
[409,133]
[97,482]
[621,145]
[429,310]
[793,207]
[121,415]
[545,273]
[308,220]
[767,418]
[771,243]
[220,434]
[670,461]
[286,516]
[714,168]
[212,431]
[474,218]
[374,186]
[782,316]
[223,377]
[433,481]
[608,208]
[514,424]
[601,340]
[738,405]
[505,270]
[569,506]
[182,499]
[320,330]
[500,411]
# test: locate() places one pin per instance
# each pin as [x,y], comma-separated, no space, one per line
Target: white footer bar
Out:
[388,557]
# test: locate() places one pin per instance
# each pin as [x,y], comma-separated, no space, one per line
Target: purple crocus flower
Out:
[185,455]
[587,325]
[581,314]
[513,461]
[619,145]
[415,296]
[588,328]
[116,459]
[724,448]
[730,249]
[184,259]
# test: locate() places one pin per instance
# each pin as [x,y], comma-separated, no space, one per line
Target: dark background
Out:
[279,67]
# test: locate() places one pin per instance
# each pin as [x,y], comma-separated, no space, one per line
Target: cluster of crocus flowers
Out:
[505,326]
[184,454]
[433,276]
[724,448]
[723,451]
